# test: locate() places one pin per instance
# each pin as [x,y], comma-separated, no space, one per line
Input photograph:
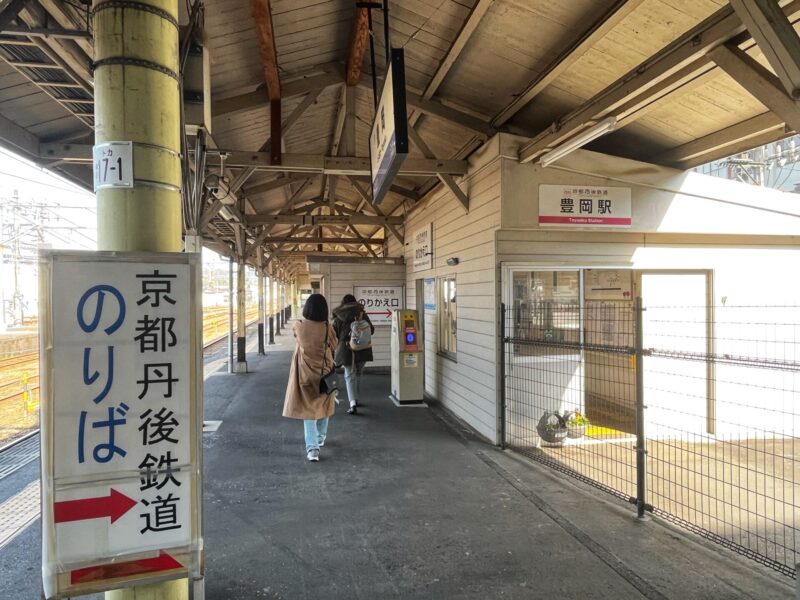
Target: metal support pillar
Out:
[281,305]
[271,323]
[230,315]
[193,243]
[241,320]
[641,447]
[137,99]
[261,312]
[276,309]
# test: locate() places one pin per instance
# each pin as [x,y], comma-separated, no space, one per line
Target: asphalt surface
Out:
[407,503]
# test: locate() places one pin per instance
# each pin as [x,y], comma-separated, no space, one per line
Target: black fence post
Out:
[503,346]
[271,330]
[641,447]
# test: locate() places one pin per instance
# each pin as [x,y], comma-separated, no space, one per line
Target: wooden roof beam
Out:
[262,15]
[757,80]
[445,178]
[274,184]
[324,240]
[597,31]
[639,84]
[315,220]
[358,44]
[329,165]
[9,10]
[469,27]
[775,37]
[309,164]
[298,111]
[296,84]
[731,140]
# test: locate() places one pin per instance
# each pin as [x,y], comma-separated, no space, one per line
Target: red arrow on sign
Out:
[162,562]
[388,313]
[114,506]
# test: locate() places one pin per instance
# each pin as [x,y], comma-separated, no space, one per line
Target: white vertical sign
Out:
[112,163]
[422,246]
[121,419]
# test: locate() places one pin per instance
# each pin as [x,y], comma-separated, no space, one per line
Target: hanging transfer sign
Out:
[380,301]
[121,420]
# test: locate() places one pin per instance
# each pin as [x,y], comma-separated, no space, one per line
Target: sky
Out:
[69,215]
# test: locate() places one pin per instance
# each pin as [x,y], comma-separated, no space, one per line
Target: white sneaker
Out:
[322,442]
[313,455]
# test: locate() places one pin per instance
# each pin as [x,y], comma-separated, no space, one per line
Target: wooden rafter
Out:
[358,44]
[757,80]
[731,140]
[469,27]
[775,37]
[262,15]
[687,52]
[598,30]
[310,98]
[445,178]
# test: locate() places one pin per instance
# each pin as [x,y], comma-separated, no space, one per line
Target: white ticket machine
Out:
[408,357]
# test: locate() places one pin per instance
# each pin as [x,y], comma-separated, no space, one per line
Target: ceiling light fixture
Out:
[583,138]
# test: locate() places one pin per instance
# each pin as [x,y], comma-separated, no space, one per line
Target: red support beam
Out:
[262,15]
[358,44]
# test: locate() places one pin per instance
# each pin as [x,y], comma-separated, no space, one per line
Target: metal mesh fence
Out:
[713,411]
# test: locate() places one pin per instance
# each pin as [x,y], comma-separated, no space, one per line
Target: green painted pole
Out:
[137,99]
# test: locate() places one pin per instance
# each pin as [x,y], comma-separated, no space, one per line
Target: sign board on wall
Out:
[113,165]
[388,140]
[429,292]
[608,284]
[584,206]
[121,419]
[380,301]
[422,246]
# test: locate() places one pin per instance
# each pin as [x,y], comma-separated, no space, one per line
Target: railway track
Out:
[19,392]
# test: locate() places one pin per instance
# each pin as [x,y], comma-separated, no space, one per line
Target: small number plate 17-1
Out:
[113,165]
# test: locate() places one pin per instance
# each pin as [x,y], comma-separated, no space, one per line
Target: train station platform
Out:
[406,503]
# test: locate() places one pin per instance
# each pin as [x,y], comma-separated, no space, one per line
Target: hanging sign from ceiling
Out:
[388,140]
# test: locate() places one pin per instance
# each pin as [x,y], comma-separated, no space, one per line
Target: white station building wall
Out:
[746,236]
[339,278]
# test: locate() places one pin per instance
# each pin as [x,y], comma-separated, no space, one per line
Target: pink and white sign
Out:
[584,206]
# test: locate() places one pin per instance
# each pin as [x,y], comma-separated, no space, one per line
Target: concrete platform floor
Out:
[408,503]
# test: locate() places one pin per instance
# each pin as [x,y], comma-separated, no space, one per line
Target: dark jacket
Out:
[343,317]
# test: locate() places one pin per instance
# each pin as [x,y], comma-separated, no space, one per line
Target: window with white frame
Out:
[447,316]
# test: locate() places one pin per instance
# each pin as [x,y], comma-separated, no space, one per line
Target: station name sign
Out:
[388,140]
[121,420]
[584,206]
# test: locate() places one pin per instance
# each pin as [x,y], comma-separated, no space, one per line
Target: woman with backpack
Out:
[354,331]
[312,360]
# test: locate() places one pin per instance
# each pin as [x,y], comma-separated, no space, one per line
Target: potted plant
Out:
[552,428]
[576,424]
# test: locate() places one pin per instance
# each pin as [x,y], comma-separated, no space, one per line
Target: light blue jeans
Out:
[352,382]
[315,431]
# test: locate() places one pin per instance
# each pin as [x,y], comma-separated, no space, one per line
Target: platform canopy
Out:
[679,82]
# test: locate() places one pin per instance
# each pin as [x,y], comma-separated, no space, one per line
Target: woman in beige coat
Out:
[312,357]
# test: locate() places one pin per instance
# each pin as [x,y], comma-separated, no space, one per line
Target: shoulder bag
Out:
[328,382]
